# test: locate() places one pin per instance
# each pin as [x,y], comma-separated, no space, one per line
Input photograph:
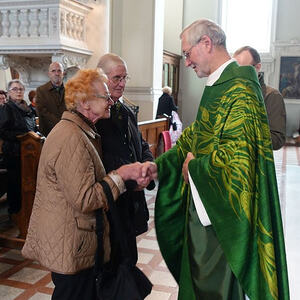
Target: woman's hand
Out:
[142,173]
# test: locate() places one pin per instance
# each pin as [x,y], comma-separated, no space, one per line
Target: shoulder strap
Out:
[115,220]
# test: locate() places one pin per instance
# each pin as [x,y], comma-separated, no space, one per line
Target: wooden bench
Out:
[151,132]
[31,146]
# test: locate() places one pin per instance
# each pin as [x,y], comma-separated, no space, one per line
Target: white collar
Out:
[214,76]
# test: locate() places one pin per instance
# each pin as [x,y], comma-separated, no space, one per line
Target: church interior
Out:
[145,33]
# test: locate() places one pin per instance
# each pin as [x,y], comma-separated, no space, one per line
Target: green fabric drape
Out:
[234,174]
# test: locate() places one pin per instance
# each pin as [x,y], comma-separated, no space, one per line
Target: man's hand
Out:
[149,172]
[185,168]
[142,173]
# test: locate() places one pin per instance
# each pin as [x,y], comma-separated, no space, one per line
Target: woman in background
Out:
[15,119]
[165,103]
[2,97]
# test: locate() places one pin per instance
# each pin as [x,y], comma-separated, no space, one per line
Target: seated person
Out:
[15,119]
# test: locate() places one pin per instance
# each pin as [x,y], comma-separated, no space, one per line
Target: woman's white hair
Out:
[167,90]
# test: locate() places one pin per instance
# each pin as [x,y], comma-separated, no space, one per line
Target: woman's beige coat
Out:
[61,234]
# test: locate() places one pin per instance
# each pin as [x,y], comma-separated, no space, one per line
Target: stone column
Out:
[137,36]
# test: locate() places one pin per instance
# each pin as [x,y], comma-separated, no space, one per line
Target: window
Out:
[248,23]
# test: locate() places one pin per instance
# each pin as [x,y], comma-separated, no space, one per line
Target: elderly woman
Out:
[166,103]
[15,119]
[61,234]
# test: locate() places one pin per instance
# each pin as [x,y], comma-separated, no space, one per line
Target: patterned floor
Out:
[23,279]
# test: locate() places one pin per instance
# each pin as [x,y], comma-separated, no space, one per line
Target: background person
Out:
[217,212]
[166,103]
[15,119]
[50,103]
[248,56]
[3,98]
[32,99]
[61,234]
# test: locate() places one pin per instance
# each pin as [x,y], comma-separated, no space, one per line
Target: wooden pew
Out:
[151,132]
[31,147]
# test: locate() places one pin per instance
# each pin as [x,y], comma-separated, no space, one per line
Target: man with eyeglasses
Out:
[122,143]
[275,107]
[50,102]
[217,211]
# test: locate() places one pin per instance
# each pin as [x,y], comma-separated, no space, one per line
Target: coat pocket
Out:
[85,237]
[87,224]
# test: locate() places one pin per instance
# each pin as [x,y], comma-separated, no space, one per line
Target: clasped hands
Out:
[142,173]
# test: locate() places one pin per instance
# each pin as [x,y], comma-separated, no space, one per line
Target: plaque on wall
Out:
[289,81]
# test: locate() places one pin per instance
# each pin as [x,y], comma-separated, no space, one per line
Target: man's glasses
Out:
[15,89]
[106,97]
[118,79]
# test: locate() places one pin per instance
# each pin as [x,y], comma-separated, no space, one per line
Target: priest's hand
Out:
[185,168]
[149,173]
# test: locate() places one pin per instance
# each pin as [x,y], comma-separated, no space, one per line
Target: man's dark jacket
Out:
[122,143]
[50,105]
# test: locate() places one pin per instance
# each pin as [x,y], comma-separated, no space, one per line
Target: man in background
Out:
[275,107]
[50,102]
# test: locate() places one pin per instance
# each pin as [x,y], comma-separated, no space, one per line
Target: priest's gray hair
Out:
[199,28]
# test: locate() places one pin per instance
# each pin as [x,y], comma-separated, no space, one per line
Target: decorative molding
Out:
[4,62]
[70,60]
[292,101]
[142,90]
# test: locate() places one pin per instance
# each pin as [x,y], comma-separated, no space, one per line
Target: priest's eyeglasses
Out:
[187,53]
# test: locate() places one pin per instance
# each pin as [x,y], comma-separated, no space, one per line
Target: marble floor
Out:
[22,279]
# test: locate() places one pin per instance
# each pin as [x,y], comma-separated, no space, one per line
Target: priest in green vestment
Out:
[217,212]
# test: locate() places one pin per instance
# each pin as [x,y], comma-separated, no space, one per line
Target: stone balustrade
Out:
[53,22]
[33,33]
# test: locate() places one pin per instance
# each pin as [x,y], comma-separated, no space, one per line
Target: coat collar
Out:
[80,122]
[233,70]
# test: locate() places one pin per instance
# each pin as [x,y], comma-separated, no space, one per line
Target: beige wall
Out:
[173,25]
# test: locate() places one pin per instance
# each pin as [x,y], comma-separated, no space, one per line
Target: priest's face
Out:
[196,56]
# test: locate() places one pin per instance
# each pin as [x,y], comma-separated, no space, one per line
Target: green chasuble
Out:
[234,174]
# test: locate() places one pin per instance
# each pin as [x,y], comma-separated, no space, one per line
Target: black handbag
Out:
[127,281]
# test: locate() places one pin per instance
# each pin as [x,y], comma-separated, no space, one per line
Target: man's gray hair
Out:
[14,81]
[199,28]
[110,60]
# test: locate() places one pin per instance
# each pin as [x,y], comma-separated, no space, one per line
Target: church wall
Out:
[191,87]
[173,25]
